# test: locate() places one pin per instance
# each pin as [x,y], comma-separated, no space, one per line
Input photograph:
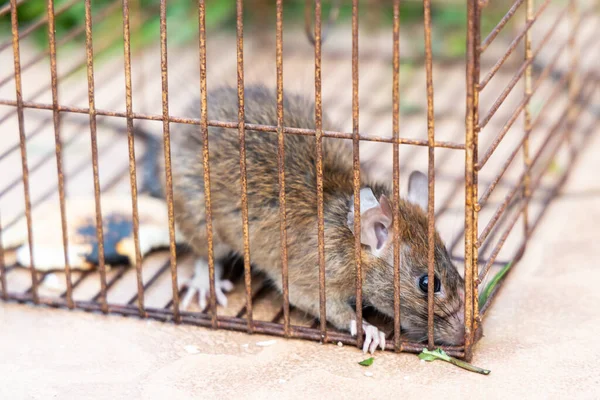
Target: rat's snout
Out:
[454,334]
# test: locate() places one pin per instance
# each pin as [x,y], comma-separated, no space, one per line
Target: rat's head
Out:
[377,238]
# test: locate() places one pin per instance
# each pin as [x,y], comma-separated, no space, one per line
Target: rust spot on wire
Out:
[58,148]
[431,174]
[281,170]
[168,174]
[132,166]
[396,171]
[356,176]
[92,112]
[205,159]
[471,134]
[243,174]
[19,104]
[319,149]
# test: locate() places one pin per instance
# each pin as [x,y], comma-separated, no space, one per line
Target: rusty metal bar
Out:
[48,156]
[243,174]
[150,282]
[231,323]
[281,169]
[396,170]
[518,75]
[555,93]
[205,158]
[132,165]
[319,149]
[498,139]
[67,74]
[23,144]
[517,188]
[5,9]
[76,171]
[471,133]
[333,16]
[513,45]
[101,15]
[548,199]
[431,175]
[92,112]
[234,125]
[533,187]
[111,283]
[356,175]
[58,148]
[498,28]
[168,174]
[527,116]
[27,31]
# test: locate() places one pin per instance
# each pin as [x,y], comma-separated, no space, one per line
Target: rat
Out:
[301,207]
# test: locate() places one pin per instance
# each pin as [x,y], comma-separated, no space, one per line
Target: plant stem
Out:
[467,366]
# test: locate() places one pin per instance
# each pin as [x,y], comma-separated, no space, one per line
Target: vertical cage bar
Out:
[92,113]
[281,167]
[168,173]
[471,205]
[23,144]
[527,120]
[243,174]
[58,149]
[396,171]
[205,157]
[431,175]
[319,149]
[132,165]
[356,170]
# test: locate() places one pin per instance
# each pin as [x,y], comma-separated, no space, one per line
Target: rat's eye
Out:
[424,282]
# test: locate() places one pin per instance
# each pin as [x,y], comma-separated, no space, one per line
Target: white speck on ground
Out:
[266,343]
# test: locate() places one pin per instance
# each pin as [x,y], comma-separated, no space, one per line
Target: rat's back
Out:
[260,106]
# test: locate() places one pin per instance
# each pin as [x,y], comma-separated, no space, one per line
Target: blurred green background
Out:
[449,19]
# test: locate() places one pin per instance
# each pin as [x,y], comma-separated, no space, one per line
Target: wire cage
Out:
[494,161]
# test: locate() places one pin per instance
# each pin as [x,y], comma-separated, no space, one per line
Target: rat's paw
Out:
[200,283]
[373,336]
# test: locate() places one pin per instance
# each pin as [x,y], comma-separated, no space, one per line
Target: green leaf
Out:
[485,294]
[427,357]
[440,354]
[367,363]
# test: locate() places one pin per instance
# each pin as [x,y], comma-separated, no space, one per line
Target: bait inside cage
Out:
[496,130]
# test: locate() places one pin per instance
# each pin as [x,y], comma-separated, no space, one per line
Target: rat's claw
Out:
[373,338]
[200,284]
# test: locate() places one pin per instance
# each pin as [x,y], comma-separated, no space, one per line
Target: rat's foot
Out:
[200,283]
[373,336]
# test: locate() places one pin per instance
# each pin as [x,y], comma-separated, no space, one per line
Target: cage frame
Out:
[474,162]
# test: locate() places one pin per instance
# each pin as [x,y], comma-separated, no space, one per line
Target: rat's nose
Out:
[459,334]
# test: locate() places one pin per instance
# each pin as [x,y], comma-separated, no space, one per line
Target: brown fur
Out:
[301,198]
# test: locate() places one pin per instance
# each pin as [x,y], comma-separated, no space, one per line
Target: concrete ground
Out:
[540,342]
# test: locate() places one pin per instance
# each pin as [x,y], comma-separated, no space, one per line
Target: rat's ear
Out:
[375,220]
[418,189]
